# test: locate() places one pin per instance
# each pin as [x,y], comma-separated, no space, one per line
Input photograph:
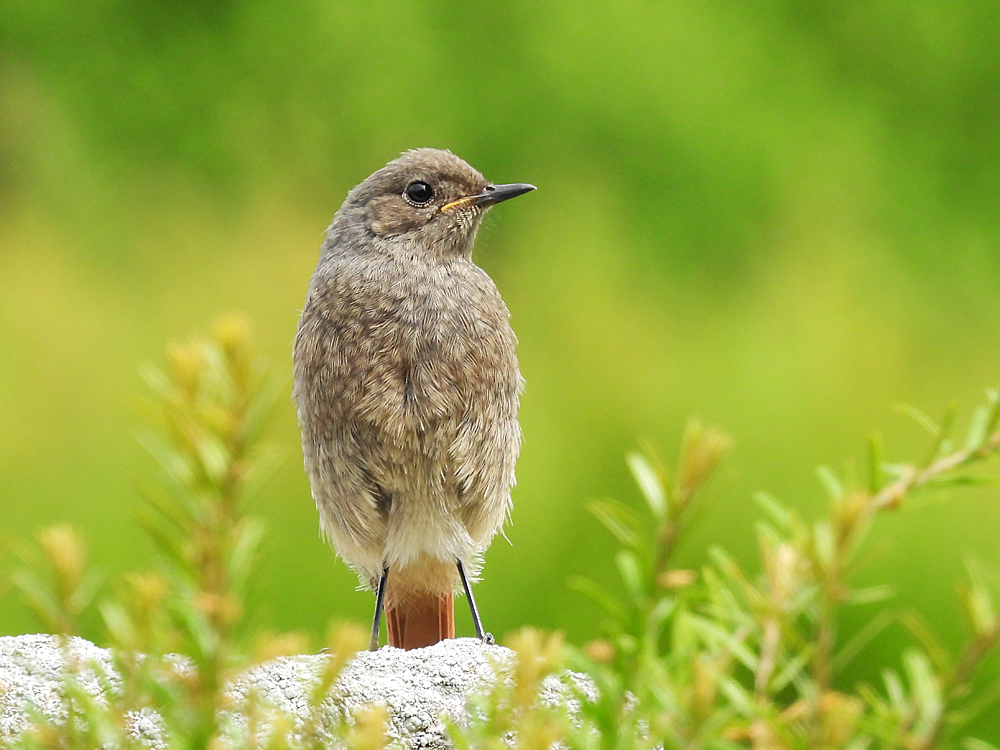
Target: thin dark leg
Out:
[485,638]
[379,598]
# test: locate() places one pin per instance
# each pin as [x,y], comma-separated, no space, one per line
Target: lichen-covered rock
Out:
[417,688]
[33,670]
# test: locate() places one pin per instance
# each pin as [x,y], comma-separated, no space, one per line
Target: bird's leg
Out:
[379,599]
[484,638]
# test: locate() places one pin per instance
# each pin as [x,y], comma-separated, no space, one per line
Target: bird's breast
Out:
[416,346]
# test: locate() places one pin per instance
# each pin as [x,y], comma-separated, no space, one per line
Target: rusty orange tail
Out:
[421,621]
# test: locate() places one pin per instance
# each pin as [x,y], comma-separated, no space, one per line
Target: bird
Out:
[407,385]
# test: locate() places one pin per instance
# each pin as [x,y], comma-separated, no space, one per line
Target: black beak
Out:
[491,194]
[496,193]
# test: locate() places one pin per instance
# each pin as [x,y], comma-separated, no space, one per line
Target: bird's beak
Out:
[491,194]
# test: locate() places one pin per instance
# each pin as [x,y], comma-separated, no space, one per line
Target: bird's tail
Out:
[420,621]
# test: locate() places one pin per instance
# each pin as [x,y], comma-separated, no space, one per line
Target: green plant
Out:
[178,634]
[55,582]
[717,658]
[514,714]
[726,657]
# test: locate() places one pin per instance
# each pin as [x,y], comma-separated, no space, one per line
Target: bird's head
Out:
[428,199]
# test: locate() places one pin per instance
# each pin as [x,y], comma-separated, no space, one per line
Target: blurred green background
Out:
[780,216]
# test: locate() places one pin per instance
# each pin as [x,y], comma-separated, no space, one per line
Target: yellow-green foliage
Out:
[178,634]
[724,657]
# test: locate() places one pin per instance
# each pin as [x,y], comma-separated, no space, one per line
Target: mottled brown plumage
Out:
[407,382]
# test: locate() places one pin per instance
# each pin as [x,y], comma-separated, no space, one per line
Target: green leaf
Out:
[824,544]
[920,418]
[895,692]
[733,574]
[631,573]
[993,402]
[741,699]
[86,592]
[214,458]
[767,538]
[683,635]
[938,654]
[942,445]
[960,480]
[722,601]
[170,541]
[172,462]
[119,624]
[166,507]
[792,669]
[617,519]
[871,594]
[971,743]
[663,609]
[244,553]
[896,470]
[156,380]
[831,483]
[977,601]
[775,510]
[925,684]
[984,421]
[978,426]
[649,483]
[713,633]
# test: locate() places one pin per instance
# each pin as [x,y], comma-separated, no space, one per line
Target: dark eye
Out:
[419,192]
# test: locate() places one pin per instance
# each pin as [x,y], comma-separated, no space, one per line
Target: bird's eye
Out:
[419,193]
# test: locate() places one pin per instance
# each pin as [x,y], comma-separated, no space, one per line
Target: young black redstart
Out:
[407,385]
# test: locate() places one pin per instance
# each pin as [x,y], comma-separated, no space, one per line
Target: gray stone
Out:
[416,687]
